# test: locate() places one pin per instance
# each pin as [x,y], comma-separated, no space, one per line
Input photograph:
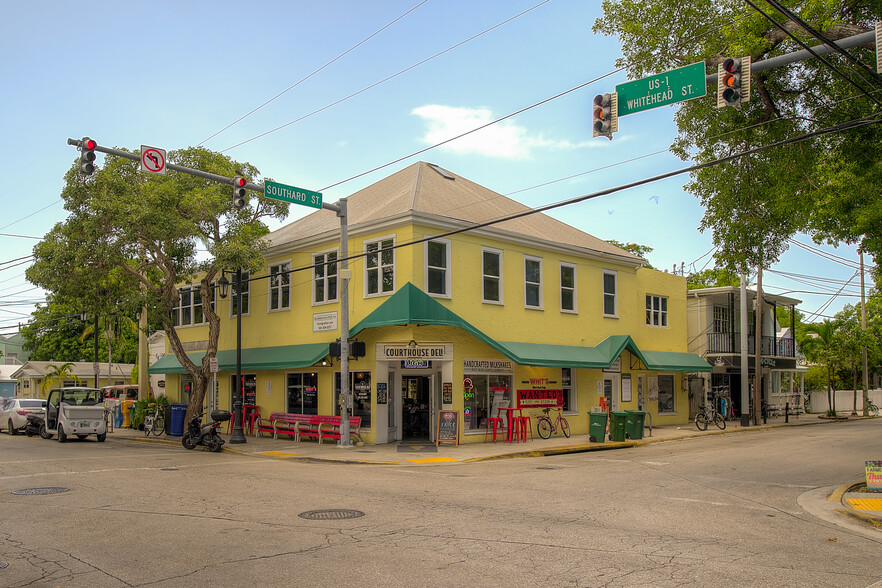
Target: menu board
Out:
[447,430]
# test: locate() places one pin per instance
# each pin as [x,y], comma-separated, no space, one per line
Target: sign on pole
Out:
[291,194]
[152,159]
[676,85]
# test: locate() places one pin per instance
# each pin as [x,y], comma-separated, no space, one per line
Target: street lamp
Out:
[237,435]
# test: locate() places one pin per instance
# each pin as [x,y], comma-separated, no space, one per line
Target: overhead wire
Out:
[386,79]
[314,72]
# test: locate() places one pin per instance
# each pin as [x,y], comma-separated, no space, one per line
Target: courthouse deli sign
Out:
[405,351]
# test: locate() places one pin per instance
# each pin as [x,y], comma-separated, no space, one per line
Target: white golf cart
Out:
[75,411]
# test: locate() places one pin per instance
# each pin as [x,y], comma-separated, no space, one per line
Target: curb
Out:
[838,495]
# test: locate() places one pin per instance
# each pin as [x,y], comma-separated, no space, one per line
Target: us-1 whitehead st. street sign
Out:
[676,85]
[291,194]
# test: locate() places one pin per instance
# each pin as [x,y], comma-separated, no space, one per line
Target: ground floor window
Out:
[360,384]
[665,393]
[302,393]
[566,384]
[483,395]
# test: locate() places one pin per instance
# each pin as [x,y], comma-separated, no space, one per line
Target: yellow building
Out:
[455,313]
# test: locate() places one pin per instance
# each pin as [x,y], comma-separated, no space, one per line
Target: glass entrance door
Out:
[415,400]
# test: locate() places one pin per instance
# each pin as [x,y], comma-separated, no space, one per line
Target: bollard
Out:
[786,412]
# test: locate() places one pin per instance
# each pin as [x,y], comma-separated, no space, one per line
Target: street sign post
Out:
[676,85]
[291,194]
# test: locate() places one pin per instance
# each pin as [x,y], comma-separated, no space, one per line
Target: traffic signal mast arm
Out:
[855,41]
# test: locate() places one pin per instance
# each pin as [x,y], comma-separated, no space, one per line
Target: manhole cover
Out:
[331,514]
[35,491]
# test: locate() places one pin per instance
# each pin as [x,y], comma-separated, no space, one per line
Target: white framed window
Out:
[610,299]
[246,294]
[532,282]
[324,277]
[722,320]
[438,267]
[568,384]
[656,311]
[379,267]
[567,287]
[491,275]
[279,297]
[189,308]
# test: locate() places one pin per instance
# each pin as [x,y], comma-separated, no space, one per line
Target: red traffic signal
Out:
[239,192]
[87,156]
[606,119]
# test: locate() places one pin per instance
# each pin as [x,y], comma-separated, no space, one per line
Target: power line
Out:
[386,79]
[303,79]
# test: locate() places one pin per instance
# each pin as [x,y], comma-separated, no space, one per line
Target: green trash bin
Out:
[596,426]
[634,424]
[617,422]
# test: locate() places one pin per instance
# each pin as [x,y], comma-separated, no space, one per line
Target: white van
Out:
[75,411]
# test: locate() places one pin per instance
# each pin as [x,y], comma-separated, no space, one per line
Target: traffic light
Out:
[733,82]
[239,192]
[606,115]
[87,156]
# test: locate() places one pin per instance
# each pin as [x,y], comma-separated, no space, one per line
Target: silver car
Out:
[14,412]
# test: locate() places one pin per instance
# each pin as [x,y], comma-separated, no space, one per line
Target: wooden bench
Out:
[307,425]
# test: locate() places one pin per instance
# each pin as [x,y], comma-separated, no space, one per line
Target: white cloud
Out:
[505,139]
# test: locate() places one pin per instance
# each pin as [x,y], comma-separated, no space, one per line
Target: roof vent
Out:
[444,174]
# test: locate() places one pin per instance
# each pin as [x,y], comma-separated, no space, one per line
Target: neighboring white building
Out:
[30,375]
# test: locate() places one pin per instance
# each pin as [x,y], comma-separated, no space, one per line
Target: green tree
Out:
[58,332]
[132,238]
[57,373]
[822,344]
[827,186]
[635,248]
[712,278]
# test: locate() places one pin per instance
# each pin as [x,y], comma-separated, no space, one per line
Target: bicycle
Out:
[154,421]
[872,409]
[707,414]
[546,426]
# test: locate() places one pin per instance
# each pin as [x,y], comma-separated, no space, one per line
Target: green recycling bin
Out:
[596,426]
[634,424]
[617,421]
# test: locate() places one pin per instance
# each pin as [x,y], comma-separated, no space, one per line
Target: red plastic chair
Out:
[498,425]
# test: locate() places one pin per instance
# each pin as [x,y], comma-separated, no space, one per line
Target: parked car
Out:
[128,392]
[75,411]
[14,412]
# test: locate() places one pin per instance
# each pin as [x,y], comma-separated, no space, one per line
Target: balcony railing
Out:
[731,343]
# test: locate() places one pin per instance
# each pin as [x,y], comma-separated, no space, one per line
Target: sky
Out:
[322,92]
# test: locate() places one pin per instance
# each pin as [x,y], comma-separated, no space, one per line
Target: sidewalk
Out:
[864,506]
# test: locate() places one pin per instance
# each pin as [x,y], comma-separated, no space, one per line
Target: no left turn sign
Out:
[152,159]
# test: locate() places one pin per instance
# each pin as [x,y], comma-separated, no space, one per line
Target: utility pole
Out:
[866,383]
[757,386]
[745,364]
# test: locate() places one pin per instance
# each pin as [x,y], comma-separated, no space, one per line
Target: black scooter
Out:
[205,435]
[35,425]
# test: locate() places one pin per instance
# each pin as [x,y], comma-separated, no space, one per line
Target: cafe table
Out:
[510,416]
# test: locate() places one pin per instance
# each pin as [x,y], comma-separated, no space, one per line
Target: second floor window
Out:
[567,287]
[722,320]
[280,286]
[609,294]
[656,311]
[532,282]
[189,308]
[491,271]
[438,267]
[325,286]
[379,264]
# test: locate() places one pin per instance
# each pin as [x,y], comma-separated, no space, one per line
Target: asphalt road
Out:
[733,510]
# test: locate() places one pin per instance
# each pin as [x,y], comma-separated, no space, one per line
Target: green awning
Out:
[253,359]
[412,306]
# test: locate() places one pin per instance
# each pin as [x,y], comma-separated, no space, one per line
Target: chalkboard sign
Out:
[447,430]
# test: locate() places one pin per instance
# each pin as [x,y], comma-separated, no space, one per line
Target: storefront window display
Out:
[302,393]
[665,393]
[483,395]
[360,384]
